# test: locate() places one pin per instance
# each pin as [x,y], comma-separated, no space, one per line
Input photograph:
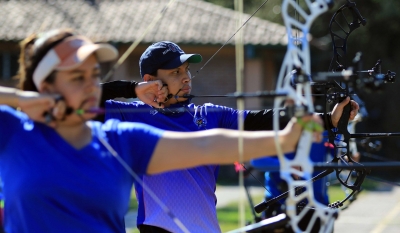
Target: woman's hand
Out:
[153,93]
[292,132]
[37,106]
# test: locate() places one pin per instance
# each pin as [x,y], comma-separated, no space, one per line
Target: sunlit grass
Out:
[132,230]
[228,216]
[133,202]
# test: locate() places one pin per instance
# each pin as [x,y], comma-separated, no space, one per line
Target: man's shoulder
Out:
[215,108]
[208,105]
[127,103]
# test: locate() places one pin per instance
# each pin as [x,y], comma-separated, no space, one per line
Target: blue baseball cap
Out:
[164,55]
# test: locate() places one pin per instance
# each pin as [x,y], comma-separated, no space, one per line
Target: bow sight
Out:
[372,80]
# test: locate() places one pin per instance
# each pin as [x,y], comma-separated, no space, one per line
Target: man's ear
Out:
[148,77]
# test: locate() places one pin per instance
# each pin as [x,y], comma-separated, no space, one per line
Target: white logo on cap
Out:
[171,47]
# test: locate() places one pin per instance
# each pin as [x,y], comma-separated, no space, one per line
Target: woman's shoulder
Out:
[12,113]
[7,109]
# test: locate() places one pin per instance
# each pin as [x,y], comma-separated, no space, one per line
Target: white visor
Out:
[69,54]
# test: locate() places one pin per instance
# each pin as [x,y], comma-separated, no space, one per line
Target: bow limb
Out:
[339,39]
[297,58]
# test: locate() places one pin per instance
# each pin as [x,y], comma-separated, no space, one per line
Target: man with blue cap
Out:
[189,193]
[167,62]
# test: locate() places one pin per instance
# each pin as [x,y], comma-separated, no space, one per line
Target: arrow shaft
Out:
[374,135]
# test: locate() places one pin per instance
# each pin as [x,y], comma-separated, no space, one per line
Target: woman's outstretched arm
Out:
[177,150]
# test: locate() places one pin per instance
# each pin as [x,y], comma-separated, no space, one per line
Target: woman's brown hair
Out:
[30,56]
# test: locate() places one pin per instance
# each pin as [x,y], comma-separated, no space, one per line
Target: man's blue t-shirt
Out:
[49,186]
[189,193]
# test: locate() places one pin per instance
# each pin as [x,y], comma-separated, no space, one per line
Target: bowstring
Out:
[123,57]
[144,186]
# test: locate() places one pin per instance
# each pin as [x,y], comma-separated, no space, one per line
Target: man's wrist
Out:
[133,88]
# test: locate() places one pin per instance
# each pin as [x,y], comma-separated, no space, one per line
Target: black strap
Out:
[116,89]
